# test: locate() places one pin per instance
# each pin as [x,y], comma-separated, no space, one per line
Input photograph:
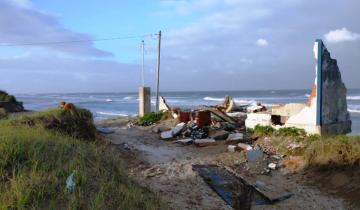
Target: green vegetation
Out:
[318,151]
[290,131]
[333,152]
[263,130]
[76,122]
[8,103]
[5,97]
[270,131]
[151,118]
[38,153]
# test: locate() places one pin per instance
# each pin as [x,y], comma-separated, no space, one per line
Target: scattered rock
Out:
[178,128]
[234,138]
[185,141]
[166,134]
[243,146]
[272,166]
[231,148]
[204,142]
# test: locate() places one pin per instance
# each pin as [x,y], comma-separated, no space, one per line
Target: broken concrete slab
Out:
[178,128]
[254,155]
[243,146]
[219,134]
[254,119]
[185,141]
[204,142]
[231,148]
[236,136]
[166,134]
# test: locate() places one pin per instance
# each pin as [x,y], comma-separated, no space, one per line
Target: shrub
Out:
[5,97]
[263,130]
[290,131]
[151,118]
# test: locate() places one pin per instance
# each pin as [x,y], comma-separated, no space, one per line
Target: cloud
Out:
[21,22]
[341,35]
[262,42]
[246,61]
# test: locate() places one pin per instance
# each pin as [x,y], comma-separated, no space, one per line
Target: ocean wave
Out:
[112,114]
[127,98]
[354,110]
[108,100]
[208,98]
[307,95]
[353,97]
[244,101]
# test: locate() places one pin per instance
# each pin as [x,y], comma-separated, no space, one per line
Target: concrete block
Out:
[144,100]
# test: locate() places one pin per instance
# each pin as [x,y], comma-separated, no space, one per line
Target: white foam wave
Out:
[108,100]
[208,98]
[307,95]
[353,97]
[244,102]
[112,114]
[354,110]
[128,98]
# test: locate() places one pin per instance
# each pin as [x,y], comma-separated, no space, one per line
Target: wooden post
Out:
[158,73]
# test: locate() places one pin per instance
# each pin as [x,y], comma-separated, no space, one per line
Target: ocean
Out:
[110,105]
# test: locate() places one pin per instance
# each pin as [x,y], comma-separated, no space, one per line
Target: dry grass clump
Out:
[334,152]
[75,122]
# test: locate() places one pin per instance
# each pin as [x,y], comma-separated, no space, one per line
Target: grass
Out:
[325,152]
[333,152]
[35,162]
[76,122]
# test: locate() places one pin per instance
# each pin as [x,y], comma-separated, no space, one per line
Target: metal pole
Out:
[142,64]
[158,73]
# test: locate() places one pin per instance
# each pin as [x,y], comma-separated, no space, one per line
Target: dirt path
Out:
[166,168]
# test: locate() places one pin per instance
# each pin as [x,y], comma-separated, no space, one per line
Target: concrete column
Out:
[144,100]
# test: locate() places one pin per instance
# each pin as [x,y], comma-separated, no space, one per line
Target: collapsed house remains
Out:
[325,112]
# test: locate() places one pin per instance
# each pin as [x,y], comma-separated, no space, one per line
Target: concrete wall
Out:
[326,112]
[326,109]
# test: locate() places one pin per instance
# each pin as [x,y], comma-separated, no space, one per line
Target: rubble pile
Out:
[208,125]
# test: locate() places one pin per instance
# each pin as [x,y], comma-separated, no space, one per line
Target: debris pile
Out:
[206,125]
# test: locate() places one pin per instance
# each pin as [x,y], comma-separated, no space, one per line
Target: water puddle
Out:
[233,190]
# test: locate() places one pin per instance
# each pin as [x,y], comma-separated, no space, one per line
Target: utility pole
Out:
[142,64]
[158,73]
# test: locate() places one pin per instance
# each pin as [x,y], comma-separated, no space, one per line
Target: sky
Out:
[206,44]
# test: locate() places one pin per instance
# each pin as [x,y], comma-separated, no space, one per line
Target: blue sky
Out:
[207,44]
